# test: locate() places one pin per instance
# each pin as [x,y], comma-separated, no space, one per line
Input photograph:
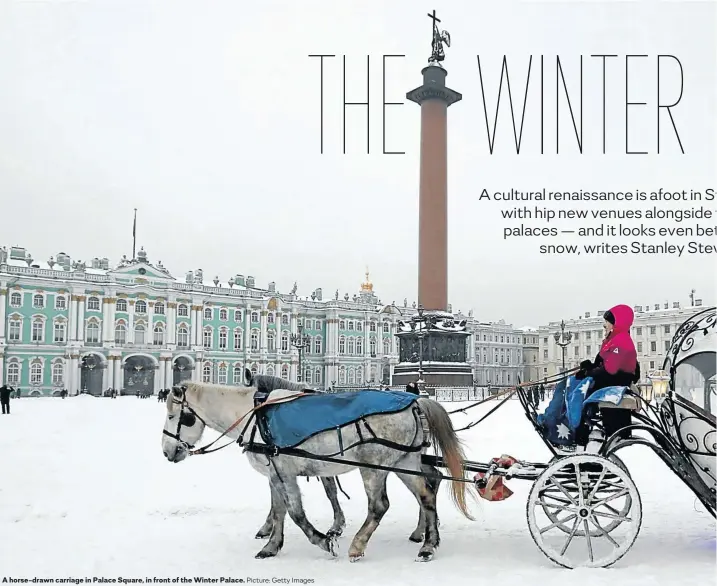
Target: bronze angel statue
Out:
[440,38]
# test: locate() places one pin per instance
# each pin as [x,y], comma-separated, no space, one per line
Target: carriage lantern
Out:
[657,389]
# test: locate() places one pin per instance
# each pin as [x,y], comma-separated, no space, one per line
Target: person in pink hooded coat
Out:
[615,365]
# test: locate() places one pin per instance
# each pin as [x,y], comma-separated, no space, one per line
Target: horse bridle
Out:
[187,417]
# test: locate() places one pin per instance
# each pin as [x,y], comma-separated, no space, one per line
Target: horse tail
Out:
[444,437]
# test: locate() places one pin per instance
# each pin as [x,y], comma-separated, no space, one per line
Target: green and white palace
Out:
[87,327]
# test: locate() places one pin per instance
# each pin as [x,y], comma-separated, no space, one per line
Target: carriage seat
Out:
[631,402]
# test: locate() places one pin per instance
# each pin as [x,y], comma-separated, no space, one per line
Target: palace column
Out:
[3,311]
[168,373]
[158,376]
[110,373]
[118,377]
[171,322]
[72,334]
[75,374]
[161,374]
[81,318]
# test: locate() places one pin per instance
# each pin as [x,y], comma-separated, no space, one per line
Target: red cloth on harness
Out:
[495,489]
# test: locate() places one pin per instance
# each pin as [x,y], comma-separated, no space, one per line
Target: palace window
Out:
[271,342]
[638,331]
[60,303]
[158,335]
[58,373]
[270,370]
[307,376]
[222,375]
[255,340]
[285,372]
[351,346]
[352,376]
[182,310]
[59,332]
[359,326]
[270,318]
[254,317]
[386,328]
[223,315]
[317,345]
[372,346]
[653,346]
[284,341]
[207,372]
[238,339]
[36,374]
[92,333]
[342,325]
[653,330]
[237,315]
[182,337]
[359,346]
[120,334]
[342,375]
[359,375]
[93,304]
[208,313]
[140,307]
[372,326]
[121,305]
[207,338]
[342,345]
[285,319]
[667,345]
[139,334]
[13,373]
[237,374]
[38,301]
[317,324]
[15,300]
[667,329]
[387,346]
[38,330]
[14,330]
[223,339]
[159,308]
[351,325]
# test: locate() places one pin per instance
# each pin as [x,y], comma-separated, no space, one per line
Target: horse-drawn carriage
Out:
[583,507]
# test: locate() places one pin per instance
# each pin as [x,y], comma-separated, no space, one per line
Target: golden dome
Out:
[367,285]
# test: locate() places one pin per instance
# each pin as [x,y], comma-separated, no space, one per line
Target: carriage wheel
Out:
[553,510]
[598,503]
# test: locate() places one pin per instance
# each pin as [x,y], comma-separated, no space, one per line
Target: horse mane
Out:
[268,383]
[261,382]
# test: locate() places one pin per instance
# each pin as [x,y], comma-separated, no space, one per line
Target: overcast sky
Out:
[205,116]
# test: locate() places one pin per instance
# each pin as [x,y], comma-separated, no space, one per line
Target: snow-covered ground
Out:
[86,492]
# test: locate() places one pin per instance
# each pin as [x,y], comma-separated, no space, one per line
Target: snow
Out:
[86,492]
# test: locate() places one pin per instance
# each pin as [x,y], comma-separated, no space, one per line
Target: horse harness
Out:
[187,418]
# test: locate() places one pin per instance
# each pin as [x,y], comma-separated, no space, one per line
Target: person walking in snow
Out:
[5,392]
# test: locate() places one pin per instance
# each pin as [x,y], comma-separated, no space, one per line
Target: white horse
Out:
[194,406]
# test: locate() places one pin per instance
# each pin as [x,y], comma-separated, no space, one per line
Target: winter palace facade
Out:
[88,327]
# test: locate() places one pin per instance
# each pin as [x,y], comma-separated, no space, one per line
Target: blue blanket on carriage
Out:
[286,425]
[563,415]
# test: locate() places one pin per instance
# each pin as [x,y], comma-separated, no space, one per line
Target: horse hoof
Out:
[416,538]
[332,545]
[265,554]
[355,557]
[424,556]
[261,535]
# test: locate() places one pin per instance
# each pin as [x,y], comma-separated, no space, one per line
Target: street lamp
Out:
[301,342]
[659,382]
[562,339]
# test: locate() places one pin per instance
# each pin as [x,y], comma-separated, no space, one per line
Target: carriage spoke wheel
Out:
[553,501]
[584,511]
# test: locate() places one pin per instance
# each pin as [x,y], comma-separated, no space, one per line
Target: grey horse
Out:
[220,406]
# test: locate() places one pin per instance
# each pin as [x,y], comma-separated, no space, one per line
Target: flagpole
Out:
[134,236]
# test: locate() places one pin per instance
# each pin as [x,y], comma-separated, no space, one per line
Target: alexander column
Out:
[432,344]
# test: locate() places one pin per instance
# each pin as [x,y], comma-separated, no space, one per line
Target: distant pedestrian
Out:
[5,392]
[542,392]
[17,393]
[412,388]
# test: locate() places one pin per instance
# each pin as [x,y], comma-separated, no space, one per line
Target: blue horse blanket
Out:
[563,415]
[286,425]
